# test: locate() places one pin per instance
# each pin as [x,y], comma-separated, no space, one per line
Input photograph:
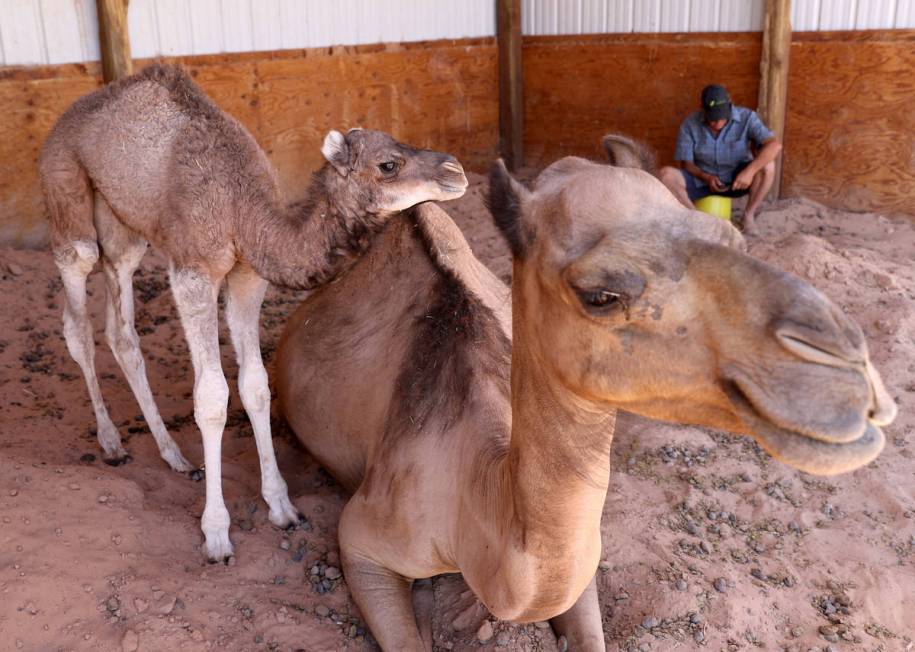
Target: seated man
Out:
[713,149]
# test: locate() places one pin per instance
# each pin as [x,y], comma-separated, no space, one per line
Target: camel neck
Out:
[559,454]
[557,472]
[308,243]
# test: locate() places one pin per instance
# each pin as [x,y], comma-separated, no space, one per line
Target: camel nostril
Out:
[453,166]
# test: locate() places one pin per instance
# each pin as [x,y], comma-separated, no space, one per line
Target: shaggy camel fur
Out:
[151,159]
[465,452]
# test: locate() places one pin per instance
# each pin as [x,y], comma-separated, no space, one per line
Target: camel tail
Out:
[69,196]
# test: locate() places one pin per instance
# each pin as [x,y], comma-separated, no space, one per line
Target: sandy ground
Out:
[708,543]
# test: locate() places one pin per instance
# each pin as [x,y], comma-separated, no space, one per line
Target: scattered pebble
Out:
[140,605]
[14,269]
[829,633]
[322,610]
[485,632]
[14,492]
[332,572]
[650,622]
[285,545]
[681,584]
[130,642]
[721,585]
[73,486]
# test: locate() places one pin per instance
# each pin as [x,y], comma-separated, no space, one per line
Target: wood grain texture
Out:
[441,95]
[511,83]
[114,39]
[850,135]
[30,108]
[578,88]
[773,74]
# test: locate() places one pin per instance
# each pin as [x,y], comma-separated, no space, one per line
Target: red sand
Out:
[100,558]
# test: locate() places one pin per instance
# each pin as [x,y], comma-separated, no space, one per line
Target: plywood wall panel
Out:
[442,95]
[579,88]
[850,136]
[30,108]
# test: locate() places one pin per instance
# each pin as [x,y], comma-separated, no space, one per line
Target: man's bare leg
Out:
[673,179]
[761,185]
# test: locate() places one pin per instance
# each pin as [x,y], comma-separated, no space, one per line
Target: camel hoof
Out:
[118,461]
[196,475]
[299,521]
[225,561]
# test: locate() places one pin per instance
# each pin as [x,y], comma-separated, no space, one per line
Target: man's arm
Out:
[770,149]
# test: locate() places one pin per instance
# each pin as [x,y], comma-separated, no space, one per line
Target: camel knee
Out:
[211,400]
[253,387]
[123,343]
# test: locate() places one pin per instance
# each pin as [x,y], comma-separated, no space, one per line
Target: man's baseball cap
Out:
[716,103]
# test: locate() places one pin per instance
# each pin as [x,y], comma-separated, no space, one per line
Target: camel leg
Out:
[122,251]
[243,307]
[75,262]
[423,603]
[581,625]
[196,297]
[384,597]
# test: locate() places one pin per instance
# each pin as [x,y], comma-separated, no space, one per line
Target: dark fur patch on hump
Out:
[455,337]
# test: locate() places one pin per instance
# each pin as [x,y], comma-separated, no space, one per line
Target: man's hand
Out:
[744,179]
[715,183]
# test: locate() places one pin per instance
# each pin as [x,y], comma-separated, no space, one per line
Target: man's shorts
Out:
[696,191]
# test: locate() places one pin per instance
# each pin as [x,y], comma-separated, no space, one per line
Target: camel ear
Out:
[624,152]
[337,151]
[506,203]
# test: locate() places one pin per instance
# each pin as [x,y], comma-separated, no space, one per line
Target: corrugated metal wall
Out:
[63,31]
[607,16]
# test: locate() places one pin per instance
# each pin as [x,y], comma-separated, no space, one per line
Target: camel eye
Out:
[387,166]
[601,298]
[601,301]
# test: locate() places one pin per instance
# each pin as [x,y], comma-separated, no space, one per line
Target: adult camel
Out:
[475,426]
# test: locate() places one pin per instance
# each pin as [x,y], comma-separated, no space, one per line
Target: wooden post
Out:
[773,69]
[511,96]
[114,39]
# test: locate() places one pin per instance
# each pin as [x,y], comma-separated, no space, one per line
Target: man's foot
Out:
[749,223]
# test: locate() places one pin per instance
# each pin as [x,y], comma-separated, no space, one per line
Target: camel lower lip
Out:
[805,453]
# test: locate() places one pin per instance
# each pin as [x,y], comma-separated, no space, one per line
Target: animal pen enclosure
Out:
[708,542]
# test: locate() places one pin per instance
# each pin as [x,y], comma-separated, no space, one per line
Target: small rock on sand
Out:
[485,632]
[322,610]
[130,642]
[721,585]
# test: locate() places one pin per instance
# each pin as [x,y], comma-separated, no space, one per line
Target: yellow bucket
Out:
[715,205]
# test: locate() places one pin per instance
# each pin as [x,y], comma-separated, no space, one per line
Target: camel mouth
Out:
[803,451]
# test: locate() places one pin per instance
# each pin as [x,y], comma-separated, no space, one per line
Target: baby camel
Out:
[151,159]
[465,452]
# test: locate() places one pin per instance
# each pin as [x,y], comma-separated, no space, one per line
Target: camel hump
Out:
[451,253]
